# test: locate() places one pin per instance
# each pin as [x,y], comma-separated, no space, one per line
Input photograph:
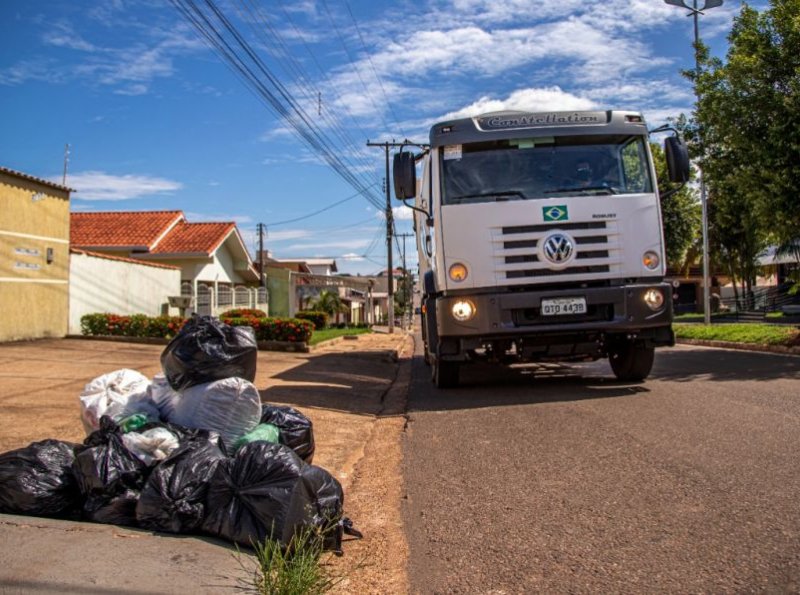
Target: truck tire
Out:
[424,330]
[632,361]
[444,374]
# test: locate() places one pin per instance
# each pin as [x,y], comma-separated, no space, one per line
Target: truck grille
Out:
[598,250]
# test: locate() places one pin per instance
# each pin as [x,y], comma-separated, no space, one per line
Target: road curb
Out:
[781,349]
[290,346]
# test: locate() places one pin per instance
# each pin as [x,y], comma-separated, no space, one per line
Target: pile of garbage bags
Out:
[192,450]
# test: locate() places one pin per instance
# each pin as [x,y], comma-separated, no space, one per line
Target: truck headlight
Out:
[457,272]
[654,298]
[651,260]
[463,310]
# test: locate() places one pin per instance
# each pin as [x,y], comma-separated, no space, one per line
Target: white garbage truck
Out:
[540,239]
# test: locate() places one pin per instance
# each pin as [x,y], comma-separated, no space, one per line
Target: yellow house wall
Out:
[34,294]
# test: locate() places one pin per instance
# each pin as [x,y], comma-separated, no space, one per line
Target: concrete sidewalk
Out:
[340,386]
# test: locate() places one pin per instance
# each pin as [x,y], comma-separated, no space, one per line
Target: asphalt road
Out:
[557,478]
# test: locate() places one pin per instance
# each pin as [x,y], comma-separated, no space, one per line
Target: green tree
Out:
[748,124]
[681,214]
[330,303]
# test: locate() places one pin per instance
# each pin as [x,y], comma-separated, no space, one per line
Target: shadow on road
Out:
[686,364]
[484,385]
[353,382]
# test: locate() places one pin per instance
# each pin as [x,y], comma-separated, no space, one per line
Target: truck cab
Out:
[540,238]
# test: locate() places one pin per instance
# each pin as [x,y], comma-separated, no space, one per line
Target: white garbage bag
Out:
[117,394]
[231,406]
[163,395]
[155,444]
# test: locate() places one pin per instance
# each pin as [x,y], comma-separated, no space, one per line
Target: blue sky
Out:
[156,120]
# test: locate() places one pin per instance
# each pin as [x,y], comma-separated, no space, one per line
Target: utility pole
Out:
[390,313]
[407,292]
[695,12]
[386,146]
[262,279]
[66,161]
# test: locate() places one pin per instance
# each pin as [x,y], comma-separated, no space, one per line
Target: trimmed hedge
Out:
[166,327]
[135,325]
[320,319]
[276,329]
[243,313]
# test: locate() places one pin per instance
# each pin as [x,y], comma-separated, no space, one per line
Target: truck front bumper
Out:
[619,310]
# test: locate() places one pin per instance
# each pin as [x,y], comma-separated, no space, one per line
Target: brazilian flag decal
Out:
[555,213]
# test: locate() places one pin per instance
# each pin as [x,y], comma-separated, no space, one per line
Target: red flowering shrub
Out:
[276,329]
[139,325]
[243,313]
[135,325]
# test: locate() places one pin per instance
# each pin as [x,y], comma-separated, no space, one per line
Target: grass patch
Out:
[759,334]
[296,570]
[331,333]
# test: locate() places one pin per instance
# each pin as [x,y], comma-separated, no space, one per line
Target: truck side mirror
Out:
[405,175]
[677,159]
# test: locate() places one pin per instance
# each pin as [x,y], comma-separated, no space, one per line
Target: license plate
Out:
[561,306]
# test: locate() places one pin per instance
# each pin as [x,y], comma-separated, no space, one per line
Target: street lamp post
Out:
[695,12]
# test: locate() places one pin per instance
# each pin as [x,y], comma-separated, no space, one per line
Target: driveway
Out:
[343,387]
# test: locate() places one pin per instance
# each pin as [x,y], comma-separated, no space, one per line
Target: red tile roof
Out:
[123,259]
[186,238]
[121,229]
[19,174]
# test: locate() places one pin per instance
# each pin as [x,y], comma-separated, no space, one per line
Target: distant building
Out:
[217,272]
[34,268]
[296,283]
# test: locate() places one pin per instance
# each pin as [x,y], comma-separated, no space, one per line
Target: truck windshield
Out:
[544,167]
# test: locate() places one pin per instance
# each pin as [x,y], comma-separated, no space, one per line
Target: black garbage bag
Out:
[38,480]
[109,476]
[119,509]
[260,494]
[326,515]
[296,430]
[206,349]
[174,497]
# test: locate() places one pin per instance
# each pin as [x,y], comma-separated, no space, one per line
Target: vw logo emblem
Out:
[558,248]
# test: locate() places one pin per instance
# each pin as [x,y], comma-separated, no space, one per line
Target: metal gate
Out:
[205,295]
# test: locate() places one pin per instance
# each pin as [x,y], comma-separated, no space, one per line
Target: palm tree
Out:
[330,303]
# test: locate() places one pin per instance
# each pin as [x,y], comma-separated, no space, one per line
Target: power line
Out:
[355,68]
[271,36]
[282,102]
[328,208]
[372,65]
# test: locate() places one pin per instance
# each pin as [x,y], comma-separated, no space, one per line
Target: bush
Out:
[140,325]
[135,325]
[320,319]
[276,329]
[243,313]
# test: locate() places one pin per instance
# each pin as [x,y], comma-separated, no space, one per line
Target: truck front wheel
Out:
[631,361]
[444,374]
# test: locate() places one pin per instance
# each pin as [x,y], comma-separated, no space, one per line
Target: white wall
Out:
[103,285]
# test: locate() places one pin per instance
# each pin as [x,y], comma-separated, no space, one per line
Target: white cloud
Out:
[98,185]
[37,69]
[132,90]
[530,100]
[287,234]
[402,213]
[62,34]
[240,220]
[342,245]
[129,70]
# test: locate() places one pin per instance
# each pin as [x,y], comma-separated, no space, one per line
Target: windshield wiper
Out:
[606,189]
[496,195]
